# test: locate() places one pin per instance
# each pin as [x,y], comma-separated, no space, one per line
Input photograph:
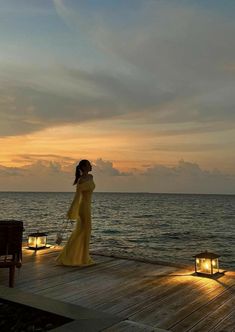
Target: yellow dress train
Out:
[76,250]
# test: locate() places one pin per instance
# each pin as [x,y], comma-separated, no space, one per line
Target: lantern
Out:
[37,240]
[206,263]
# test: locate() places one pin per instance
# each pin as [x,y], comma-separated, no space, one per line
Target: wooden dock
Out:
[146,296]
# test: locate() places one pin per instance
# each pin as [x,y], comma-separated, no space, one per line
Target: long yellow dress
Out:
[76,250]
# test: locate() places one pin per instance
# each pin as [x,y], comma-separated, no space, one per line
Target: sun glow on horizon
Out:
[127,147]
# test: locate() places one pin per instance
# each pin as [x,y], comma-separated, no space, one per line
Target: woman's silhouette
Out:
[76,250]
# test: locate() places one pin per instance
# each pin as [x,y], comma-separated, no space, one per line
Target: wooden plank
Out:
[135,289]
[111,293]
[99,284]
[211,304]
[146,301]
[52,274]
[86,278]
[213,318]
[145,308]
[227,324]
[130,326]
[178,309]
[49,258]
[31,255]
[45,283]
[98,268]
[91,295]
[45,269]
[123,285]
[141,259]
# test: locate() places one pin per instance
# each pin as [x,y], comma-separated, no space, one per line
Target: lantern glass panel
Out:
[41,241]
[203,265]
[215,265]
[32,241]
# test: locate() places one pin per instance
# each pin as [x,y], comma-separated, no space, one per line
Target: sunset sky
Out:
[145,89]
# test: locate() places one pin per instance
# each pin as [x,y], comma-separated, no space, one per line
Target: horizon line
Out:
[121,192]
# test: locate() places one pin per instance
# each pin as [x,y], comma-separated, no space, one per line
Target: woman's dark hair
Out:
[79,168]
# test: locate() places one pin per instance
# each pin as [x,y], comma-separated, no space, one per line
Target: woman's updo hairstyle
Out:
[79,168]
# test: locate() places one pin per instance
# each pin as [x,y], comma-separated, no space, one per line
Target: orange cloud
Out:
[129,146]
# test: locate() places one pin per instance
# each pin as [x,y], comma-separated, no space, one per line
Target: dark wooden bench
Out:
[11,246]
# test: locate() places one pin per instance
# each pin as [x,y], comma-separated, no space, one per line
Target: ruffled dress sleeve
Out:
[72,213]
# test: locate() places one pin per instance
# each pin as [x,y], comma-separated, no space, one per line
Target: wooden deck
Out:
[148,297]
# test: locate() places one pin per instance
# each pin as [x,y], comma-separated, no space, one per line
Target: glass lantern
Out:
[206,263]
[37,241]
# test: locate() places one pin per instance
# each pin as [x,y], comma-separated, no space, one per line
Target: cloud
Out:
[178,51]
[175,41]
[37,176]
[10,171]
[34,8]
[185,177]
[162,62]
[50,173]
[106,167]
[33,102]
[188,177]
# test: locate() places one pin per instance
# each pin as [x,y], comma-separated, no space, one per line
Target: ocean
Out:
[165,227]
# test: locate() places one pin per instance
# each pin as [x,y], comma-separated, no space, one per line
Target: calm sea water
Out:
[168,227]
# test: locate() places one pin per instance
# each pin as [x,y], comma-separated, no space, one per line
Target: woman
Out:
[76,250]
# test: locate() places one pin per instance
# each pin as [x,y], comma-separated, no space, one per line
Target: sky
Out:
[144,89]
